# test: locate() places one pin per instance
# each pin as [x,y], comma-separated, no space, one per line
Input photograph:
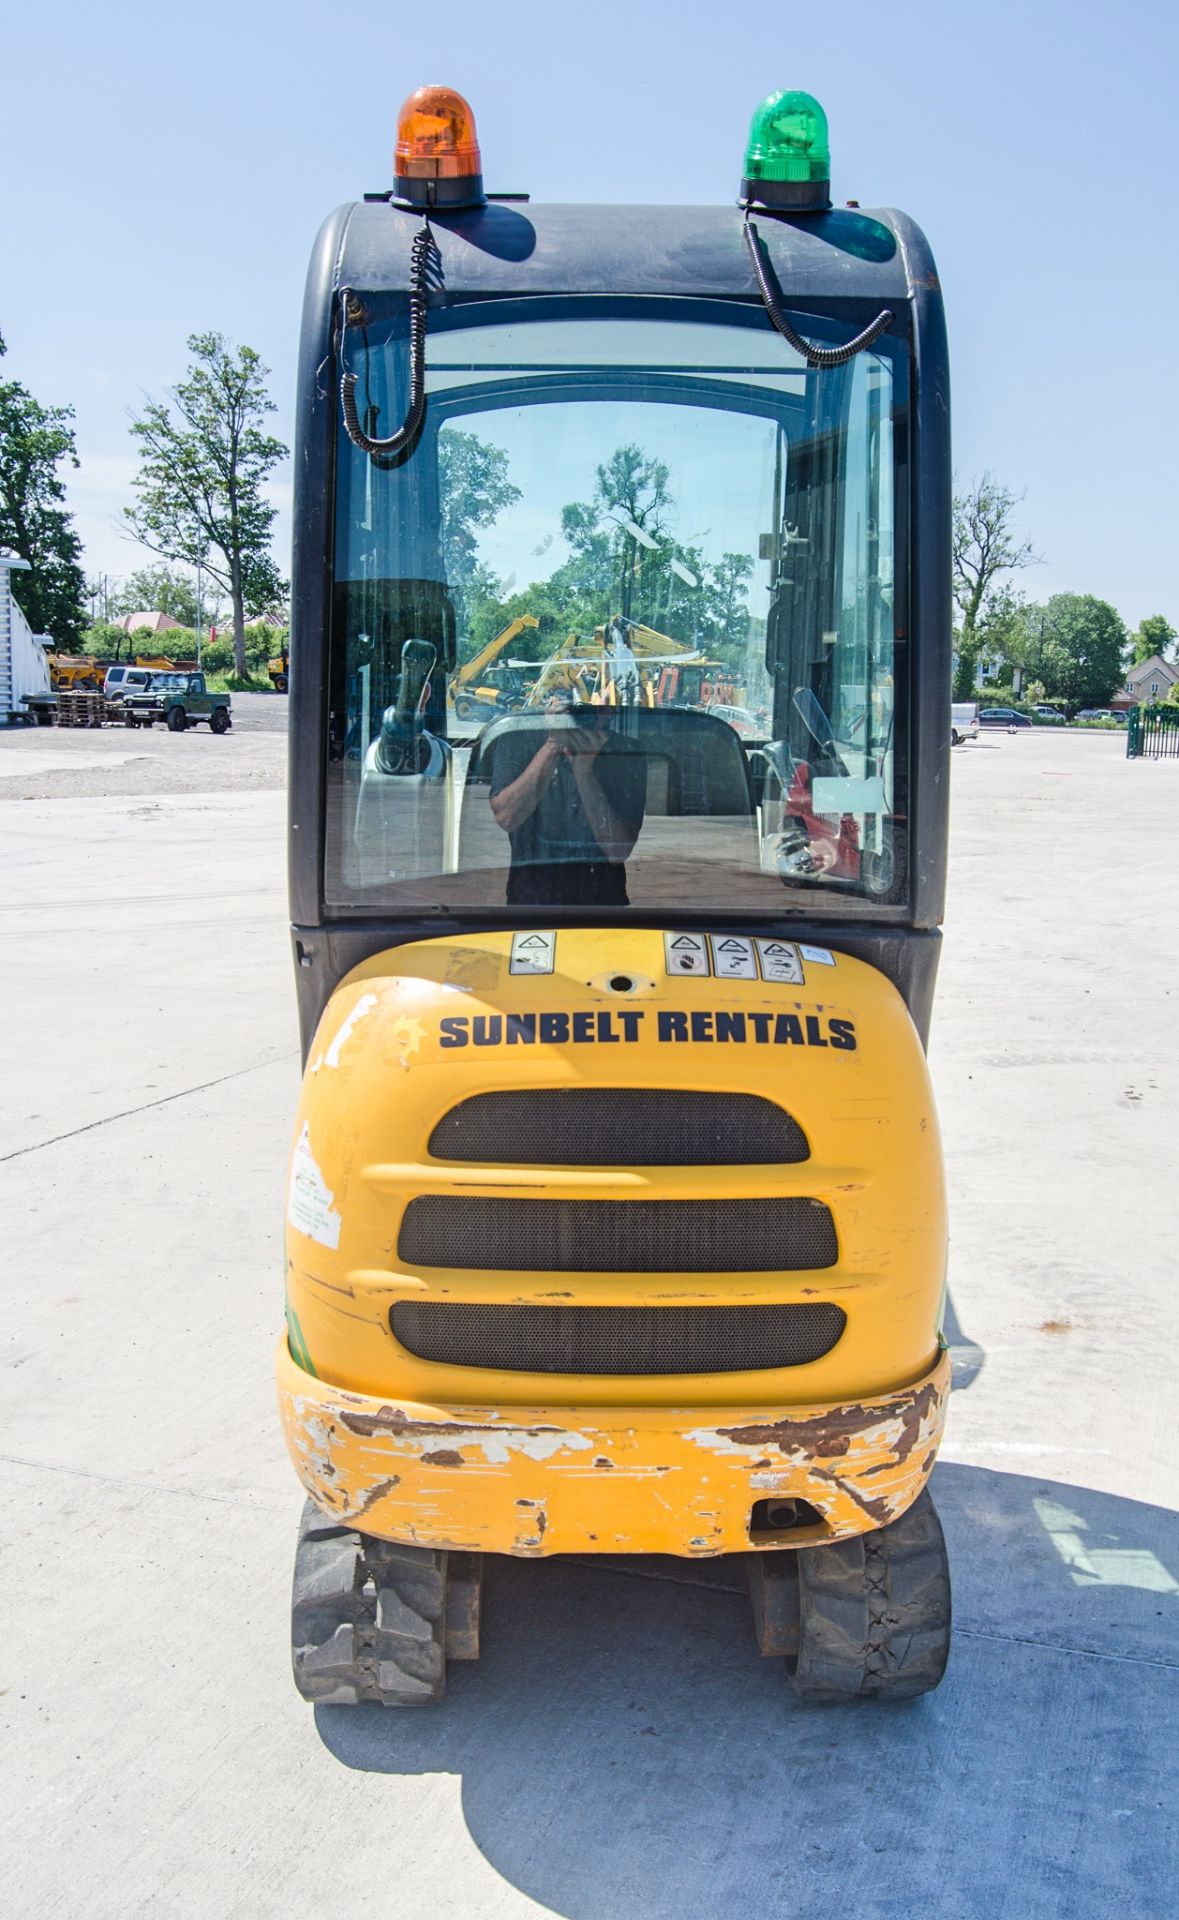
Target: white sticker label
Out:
[732,958]
[309,1202]
[820,955]
[685,953]
[780,962]
[834,797]
[533,952]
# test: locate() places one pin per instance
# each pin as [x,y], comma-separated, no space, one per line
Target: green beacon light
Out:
[788,159]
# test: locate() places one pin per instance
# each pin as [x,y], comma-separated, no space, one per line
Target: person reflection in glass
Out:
[572,806]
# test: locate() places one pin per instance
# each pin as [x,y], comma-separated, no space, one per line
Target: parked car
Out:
[120,681]
[1048,717]
[180,700]
[1102,713]
[1003,717]
[963,721]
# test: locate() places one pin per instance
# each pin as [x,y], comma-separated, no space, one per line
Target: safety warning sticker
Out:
[780,962]
[822,956]
[310,1208]
[732,957]
[532,952]
[685,953]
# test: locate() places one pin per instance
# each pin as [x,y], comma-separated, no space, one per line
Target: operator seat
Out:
[696,768]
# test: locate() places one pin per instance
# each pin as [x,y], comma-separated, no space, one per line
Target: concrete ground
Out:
[61,763]
[621,1750]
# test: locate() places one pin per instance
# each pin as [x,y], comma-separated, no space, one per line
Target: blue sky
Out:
[165,170]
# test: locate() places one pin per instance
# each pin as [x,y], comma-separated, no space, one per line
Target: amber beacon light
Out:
[436,162]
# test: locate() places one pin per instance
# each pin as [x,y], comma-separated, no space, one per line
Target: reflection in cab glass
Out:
[626,625]
[571,797]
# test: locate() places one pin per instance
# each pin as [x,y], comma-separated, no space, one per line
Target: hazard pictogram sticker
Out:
[780,962]
[533,952]
[732,957]
[685,953]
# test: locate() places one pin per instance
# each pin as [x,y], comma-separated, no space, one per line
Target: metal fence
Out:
[1153,733]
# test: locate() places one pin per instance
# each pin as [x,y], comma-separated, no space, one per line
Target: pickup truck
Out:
[180,700]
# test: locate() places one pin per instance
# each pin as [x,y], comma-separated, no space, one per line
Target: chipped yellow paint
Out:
[535,1464]
[543,1480]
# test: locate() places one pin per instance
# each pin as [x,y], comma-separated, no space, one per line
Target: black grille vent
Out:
[617,1340]
[619,1126]
[617,1236]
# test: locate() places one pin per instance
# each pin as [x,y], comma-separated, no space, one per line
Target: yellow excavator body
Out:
[457,1373]
[467,685]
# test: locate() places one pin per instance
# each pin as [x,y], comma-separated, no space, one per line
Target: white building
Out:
[24,670]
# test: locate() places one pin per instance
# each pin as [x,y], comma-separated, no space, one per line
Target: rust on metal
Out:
[543,1482]
[395,1420]
[379,1491]
[773,1592]
[832,1433]
[876,1506]
[464,1599]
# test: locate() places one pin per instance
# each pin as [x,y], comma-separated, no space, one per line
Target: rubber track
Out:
[367,1617]
[874,1612]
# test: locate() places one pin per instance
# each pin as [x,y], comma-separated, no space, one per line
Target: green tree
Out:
[545,602]
[200,482]
[1153,635]
[1007,631]
[101,594]
[727,602]
[163,589]
[474,489]
[1082,650]
[985,547]
[623,559]
[34,522]
[619,538]
[108,641]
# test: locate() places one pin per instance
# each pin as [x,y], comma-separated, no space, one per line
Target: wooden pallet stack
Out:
[81,709]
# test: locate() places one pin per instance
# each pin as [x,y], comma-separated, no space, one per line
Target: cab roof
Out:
[505,248]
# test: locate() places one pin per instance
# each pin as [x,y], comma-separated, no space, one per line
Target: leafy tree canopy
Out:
[108,641]
[165,589]
[474,490]
[985,547]
[623,559]
[1153,635]
[202,472]
[1082,651]
[34,522]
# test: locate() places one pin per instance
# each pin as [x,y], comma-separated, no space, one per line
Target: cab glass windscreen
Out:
[626,627]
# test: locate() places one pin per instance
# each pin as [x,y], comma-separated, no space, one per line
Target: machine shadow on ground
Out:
[967,1356]
[624,1750]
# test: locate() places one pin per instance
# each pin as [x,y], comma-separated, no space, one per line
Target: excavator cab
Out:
[615,1218]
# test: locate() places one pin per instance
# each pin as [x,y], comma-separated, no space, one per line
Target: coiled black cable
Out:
[814,356]
[424,258]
